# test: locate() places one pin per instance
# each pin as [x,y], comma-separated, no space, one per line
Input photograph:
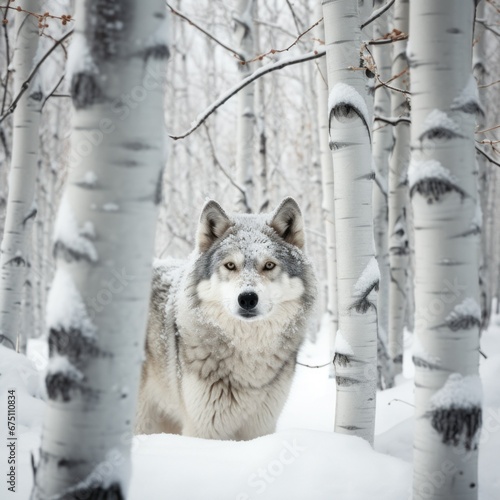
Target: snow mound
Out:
[342,346]
[467,308]
[437,119]
[468,100]
[342,93]
[428,169]
[369,276]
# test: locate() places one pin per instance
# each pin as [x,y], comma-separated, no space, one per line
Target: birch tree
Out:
[398,190]
[444,197]
[382,145]
[21,206]
[244,32]
[350,118]
[103,243]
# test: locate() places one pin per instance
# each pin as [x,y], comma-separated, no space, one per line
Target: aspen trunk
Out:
[350,118]
[398,192]
[21,207]
[444,196]
[246,115]
[103,243]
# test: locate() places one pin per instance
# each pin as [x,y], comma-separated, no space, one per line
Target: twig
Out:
[51,93]
[487,156]
[296,20]
[377,13]
[488,84]
[25,85]
[383,41]
[286,49]
[314,366]
[268,68]
[205,32]
[487,129]
[223,170]
[488,27]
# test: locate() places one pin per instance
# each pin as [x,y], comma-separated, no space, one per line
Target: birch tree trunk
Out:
[103,243]
[398,192]
[21,207]
[244,31]
[350,118]
[444,197]
[328,192]
[382,145]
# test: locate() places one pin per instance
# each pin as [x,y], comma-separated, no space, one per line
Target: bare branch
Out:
[206,33]
[268,68]
[25,85]
[487,26]
[487,156]
[377,13]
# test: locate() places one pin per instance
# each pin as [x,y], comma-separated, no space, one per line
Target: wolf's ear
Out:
[287,222]
[213,224]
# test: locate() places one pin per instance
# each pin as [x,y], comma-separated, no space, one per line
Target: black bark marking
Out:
[96,492]
[36,96]
[471,107]
[85,90]
[158,196]
[136,145]
[107,28]
[341,359]
[73,344]
[456,424]
[439,134]
[69,254]
[62,386]
[346,381]
[17,261]
[362,304]
[350,427]
[159,51]
[466,322]
[31,215]
[422,363]
[434,188]
[345,112]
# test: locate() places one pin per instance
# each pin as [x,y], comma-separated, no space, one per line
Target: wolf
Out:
[225,327]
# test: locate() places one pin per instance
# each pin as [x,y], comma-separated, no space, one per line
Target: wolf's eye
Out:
[230,265]
[269,265]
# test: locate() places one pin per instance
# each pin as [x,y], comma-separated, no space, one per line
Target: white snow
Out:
[79,57]
[468,308]
[459,392]
[65,307]
[304,459]
[369,276]
[428,169]
[89,179]
[419,351]
[342,346]
[469,95]
[160,35]
[342,93]
[67,232]
[439,119]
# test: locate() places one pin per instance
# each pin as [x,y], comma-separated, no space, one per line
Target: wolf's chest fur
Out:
[225,328]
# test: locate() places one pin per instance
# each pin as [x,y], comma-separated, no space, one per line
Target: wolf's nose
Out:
[248,300]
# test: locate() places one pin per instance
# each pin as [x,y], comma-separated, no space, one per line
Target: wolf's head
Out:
[251,267]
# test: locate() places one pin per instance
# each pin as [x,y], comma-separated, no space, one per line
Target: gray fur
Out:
[209,371]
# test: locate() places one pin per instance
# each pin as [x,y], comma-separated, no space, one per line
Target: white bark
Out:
[398,193]
[444,197]
[104,235]
[328,191]
[350,118]
[244,31]
[22,177]
[382,145]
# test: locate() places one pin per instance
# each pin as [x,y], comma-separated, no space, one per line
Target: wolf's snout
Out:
[248,300]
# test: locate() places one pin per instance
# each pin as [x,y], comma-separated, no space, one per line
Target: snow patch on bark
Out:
[342,346]
[61,365]
[65,307]
[458,392]
[421,356]
[428,169]
[368,278]
[468,308]
[343,94]
[468,100]
[79,58]
[67,233]
[438,119]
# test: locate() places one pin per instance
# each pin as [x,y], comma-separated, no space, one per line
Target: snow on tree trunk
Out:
[444,197]
[328,191]
[103,243]
[398,192]
[382,145]
[244,31]
[21,206]
[350,118]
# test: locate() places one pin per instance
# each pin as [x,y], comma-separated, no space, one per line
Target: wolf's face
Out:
[251,267]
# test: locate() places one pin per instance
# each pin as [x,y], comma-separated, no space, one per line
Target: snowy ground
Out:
[303,460]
